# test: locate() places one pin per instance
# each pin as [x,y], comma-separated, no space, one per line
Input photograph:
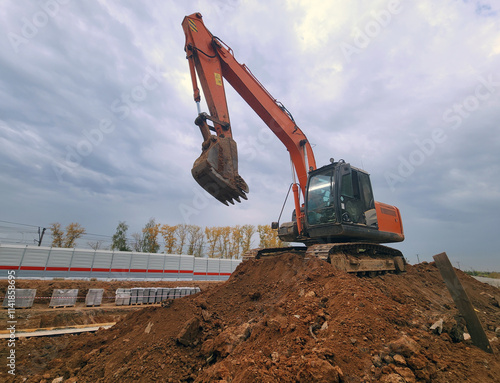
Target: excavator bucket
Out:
[216,170]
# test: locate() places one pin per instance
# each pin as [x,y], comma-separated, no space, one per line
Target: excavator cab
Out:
[338,193]
[339,206]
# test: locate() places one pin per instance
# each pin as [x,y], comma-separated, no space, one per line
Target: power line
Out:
[17,223]
[39,226]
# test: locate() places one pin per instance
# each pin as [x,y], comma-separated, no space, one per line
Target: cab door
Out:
[357,206]
[320,197]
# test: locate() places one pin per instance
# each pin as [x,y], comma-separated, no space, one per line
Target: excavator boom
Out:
[213,62]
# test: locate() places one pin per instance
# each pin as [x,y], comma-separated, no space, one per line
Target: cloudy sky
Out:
[96,122]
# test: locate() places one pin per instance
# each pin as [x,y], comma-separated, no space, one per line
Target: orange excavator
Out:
[338,220]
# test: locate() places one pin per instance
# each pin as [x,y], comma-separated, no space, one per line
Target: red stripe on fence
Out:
[79,269]
[52,268]
[32,268]
[9,267]
[206,273]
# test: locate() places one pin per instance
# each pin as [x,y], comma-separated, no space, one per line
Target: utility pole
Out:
[40,236]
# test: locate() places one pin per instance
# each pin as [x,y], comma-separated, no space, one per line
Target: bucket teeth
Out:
[216,170]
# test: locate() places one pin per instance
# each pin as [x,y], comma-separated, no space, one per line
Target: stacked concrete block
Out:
[161,294]
[145,296]
[94,297]
[24,298]
[136,295]
[152,295]
[122,297]
[63,297]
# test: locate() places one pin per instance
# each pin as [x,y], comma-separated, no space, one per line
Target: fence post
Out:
[70,262]
[22,257]
[462,302]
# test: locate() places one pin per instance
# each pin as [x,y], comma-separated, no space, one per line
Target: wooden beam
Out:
[462,302]
[52,331]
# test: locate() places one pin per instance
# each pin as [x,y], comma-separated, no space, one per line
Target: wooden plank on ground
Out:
[462,302]
[52,331]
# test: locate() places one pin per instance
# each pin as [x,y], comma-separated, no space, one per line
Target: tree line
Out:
[214,242]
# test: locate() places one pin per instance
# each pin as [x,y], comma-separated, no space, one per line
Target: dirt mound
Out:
[284,319]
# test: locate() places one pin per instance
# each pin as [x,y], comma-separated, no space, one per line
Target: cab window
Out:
[320,206]
[356,197]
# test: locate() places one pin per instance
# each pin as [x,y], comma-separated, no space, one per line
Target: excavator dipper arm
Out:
[217,168]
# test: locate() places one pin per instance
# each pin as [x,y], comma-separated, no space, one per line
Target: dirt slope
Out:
[284,319]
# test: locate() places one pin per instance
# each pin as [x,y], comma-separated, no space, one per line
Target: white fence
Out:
[490,281]
[50,262]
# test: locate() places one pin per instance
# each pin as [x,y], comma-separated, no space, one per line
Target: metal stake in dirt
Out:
[462,302]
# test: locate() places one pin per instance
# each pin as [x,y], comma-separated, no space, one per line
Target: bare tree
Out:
[211,235]
[182,231]
[95,245]
[195,240]
[137,242]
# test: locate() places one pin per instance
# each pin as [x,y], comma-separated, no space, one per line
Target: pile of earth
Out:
[284,319]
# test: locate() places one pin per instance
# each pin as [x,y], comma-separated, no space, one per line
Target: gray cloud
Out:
[96,123]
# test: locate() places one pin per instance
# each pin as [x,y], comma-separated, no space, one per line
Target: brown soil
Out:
[283,319]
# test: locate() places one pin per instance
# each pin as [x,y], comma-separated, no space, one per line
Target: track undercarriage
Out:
[361,258]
